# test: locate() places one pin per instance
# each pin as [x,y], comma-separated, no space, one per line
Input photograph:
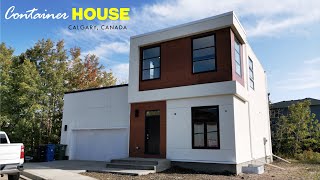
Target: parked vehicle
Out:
[11,157]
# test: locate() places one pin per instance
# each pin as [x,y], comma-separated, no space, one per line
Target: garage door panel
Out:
[100,145]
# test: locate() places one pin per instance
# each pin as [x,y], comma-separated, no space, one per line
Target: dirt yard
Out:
[293,171]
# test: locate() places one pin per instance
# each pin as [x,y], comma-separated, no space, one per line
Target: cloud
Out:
[121,71]
[313,61]
[105,50]
[305,77]
[259,18]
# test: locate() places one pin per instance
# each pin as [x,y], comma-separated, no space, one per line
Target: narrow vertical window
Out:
[203,54]
[237,53]
[151,63]
[205,127]
[251,74]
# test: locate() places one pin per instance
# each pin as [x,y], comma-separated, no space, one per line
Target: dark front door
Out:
[152,132]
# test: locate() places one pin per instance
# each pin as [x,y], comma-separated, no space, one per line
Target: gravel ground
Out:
[293,171]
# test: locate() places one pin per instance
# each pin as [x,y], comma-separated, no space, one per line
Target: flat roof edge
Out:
[239,23]
[185,24]
[93,89]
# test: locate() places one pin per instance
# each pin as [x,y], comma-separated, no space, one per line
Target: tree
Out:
[88,72]
[24,103]
[296,132]
[32,87]
[6,55]
[51,62]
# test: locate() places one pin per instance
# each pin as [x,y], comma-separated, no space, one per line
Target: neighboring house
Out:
[197,96]
[281,108]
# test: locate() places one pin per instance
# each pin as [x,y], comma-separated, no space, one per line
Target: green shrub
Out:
[309,157]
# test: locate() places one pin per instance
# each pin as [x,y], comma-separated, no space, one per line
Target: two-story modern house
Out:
[197,96]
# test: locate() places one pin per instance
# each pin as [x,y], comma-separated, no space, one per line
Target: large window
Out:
[237,53]
[251,75]
[203,54]
[205,127]
[151,63]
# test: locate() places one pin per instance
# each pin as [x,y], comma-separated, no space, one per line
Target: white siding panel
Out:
[179,132]
[104,109]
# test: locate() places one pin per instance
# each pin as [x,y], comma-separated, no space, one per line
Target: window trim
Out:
[236,41]
[205,129]
[215,51]
[141,62]
[251,70]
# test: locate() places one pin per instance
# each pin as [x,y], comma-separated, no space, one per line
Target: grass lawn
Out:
[294,170]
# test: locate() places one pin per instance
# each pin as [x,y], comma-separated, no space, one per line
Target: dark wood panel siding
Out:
[235,76]
[137,129]
[176,63]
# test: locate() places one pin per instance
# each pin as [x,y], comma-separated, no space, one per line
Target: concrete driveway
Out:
[67,169]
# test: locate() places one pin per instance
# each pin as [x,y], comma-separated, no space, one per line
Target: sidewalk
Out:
[61,170]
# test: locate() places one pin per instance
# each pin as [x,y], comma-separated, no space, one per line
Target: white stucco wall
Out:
[252,122]
[259,109]
[102,109]
[179,132]
[199,90]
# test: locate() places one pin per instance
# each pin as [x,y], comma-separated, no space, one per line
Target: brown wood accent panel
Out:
[137,129]
[176,63]
[235,76]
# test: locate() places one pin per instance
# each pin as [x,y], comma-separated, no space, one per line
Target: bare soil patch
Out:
[295,170]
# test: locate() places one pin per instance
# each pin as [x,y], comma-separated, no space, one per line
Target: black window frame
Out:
[251,79]
[236,41]
[141,62]
[205,128]
[215,52]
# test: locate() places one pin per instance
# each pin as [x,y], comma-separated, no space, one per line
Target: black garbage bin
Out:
[44,153]
[60,151]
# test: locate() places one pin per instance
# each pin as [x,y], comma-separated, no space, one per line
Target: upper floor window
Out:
[151,63]
[237,53]
[251,75]
[203,54]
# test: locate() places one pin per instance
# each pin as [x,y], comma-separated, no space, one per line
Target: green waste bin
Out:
[60,151]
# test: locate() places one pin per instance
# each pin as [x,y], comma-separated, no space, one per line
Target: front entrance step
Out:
[137,162]
[150,164]
[130,166]
[130,172]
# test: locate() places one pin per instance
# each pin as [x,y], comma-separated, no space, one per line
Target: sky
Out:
[283,34]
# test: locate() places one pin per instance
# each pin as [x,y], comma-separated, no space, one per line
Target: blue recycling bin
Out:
[49,152]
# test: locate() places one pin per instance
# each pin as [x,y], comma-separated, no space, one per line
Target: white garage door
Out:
[100,145]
